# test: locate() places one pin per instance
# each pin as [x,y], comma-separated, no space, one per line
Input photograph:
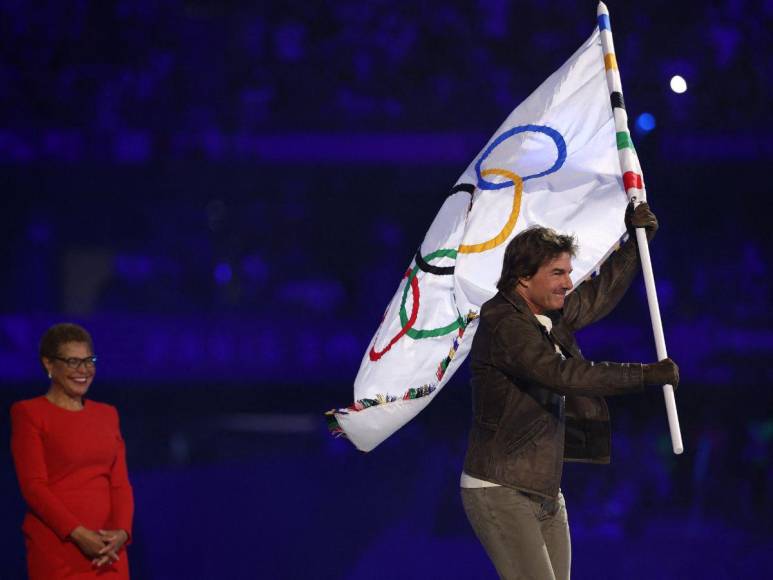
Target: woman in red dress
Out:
[71,464]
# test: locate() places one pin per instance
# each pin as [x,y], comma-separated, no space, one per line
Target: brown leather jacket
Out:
[533,409]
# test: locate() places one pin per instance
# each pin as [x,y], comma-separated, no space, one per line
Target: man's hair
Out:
[529,250]
[60,334]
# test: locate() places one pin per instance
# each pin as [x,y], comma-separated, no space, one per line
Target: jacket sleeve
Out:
[596,297]
[121,493]
[29,459]
[520,350]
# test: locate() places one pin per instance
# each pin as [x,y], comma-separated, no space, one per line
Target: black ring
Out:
[468,187]
[425,266]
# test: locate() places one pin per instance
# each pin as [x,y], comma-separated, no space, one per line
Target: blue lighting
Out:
[645,122]
[223,273]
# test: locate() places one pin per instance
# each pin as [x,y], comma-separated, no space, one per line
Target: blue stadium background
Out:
[227,194]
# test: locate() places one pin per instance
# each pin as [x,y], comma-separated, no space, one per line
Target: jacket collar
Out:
[520,304]
[515,299]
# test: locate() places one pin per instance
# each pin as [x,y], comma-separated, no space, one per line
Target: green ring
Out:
[417,334]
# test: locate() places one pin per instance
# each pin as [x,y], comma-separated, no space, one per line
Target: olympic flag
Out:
[554,162]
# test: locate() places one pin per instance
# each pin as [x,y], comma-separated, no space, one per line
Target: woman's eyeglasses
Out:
[74,363]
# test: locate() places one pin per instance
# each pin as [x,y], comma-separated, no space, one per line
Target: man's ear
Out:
[524,281]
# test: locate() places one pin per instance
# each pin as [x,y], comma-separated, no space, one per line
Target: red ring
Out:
[374,356]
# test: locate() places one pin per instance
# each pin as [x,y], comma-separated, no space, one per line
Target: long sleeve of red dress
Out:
[121,495]
[29,457]
[71,467]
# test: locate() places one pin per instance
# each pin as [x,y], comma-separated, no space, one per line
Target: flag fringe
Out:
[412,393]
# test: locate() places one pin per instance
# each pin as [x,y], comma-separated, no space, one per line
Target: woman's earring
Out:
[49,375]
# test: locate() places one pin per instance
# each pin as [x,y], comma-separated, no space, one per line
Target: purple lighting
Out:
[227,195]
[133,267]
[223,273]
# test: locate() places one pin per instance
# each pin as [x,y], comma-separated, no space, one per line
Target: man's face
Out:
[547,288]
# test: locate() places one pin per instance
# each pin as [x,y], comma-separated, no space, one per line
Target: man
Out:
[537,402]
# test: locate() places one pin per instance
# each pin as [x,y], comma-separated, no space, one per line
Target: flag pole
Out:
[634,188]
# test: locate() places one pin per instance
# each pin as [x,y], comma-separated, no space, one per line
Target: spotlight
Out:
[645,122]
[678,84]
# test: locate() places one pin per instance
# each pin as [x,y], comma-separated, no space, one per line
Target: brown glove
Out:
[641,217]
[661,373]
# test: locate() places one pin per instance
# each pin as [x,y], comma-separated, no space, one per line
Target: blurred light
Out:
[133,267]
[132,147]
[678,84]
[645,122]
[314,294]
[223,273]
[388,233]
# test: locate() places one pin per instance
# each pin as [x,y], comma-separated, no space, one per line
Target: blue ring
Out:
[552,133]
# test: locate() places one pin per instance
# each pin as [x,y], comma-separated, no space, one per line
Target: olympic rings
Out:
[414,283]
[423,262]
[417,334]
[552,133]
[514,180]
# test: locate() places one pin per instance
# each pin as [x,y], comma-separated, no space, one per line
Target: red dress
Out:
[72,472]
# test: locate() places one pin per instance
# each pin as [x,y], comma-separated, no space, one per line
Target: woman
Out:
[71,464]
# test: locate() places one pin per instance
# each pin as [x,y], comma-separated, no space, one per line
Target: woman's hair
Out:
[529,250]
[60,334]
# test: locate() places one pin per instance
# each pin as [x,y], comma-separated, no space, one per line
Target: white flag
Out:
[553,162]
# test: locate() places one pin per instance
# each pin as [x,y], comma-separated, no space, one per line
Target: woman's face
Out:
[70,371]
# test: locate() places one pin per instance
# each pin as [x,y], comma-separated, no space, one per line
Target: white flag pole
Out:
[660,340]
[634,187]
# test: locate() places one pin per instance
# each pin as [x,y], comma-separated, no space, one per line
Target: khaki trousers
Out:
[526,536]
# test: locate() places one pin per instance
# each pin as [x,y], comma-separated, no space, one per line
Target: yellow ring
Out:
[510,225]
